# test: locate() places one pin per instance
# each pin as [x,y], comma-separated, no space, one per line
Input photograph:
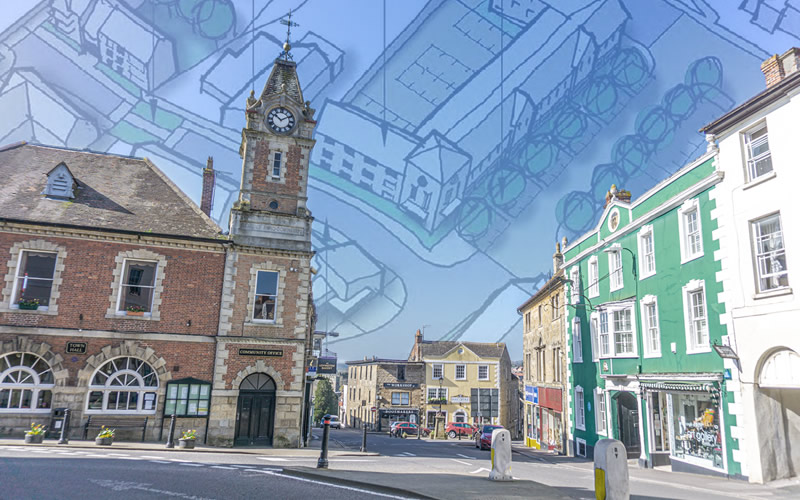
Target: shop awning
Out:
[678,386]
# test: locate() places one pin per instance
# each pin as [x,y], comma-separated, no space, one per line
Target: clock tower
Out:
[276,147]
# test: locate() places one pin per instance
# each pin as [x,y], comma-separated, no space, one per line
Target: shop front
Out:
[686,425]
[551,427]
[388,415]
[531,417]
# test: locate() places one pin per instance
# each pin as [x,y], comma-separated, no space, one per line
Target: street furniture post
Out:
[322,463]
[364,439]
[501,456]
[171,435]
[611,480]
[64,438]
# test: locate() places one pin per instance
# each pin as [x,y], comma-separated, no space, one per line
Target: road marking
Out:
[118,455]
[465,456]
[153,457]
[481,469]
[160,462]
[130,485]
[274,459]
[191,464]
[460,461]
[409,454]
[241,466]
[92,455]
[331,485]
[177,460]
[222,467]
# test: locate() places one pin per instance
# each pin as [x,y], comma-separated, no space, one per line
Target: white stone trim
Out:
[686,207]
[228,297]
[580,425]
[266,265]
[643,233]
[694,286]
[594,281]
[12,264]
[116,285]
[648,300]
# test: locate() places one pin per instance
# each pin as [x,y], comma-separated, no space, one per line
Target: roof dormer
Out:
[60,183]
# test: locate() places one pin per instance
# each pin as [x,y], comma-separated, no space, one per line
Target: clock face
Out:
[280,120]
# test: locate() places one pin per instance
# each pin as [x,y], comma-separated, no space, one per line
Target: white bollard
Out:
[501,456]
[611,470]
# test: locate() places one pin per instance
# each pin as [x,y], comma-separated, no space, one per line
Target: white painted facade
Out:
[763,318]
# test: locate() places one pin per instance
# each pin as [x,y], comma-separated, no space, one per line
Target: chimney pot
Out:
[209,180]
[776,68]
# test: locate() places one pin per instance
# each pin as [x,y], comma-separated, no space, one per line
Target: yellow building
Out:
[467,381]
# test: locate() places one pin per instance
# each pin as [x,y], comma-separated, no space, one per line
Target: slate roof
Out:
[114,192]
[283,72]
[437,348]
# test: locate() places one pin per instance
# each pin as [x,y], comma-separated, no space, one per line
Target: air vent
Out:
[60,183]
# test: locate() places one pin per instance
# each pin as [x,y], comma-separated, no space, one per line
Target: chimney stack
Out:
[209,179]
[558,259]
[776,68]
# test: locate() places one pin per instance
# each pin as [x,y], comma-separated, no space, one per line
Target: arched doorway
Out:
[777,402]
[628,422]
[460,416]
[255,411]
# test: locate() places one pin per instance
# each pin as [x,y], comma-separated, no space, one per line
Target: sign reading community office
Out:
[274,353]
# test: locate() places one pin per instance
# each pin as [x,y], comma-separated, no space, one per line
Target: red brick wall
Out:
[192,288]
[264,190]
[288,300]
[283,364]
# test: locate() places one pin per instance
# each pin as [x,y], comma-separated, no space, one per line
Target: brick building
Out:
[122,300]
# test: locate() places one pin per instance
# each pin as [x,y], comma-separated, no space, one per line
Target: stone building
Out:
[115,279]
[391,386]
[545,364]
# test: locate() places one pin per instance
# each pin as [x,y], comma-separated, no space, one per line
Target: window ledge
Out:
[6,411]
[773,293]
[110,413]
[610,290]
[258,323]
[15,310]
[699,350]
[645,276]
[759,180]
[125,316]
[654,355]
[686,260]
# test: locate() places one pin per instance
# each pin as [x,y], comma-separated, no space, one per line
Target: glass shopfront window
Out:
[531,430]
[696,435]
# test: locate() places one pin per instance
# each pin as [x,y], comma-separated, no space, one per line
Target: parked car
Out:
[454,429]
[483,439]
[403,429]
[335,424]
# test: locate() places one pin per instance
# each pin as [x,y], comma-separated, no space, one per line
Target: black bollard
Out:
[64,438]
[322,463]
[364,440]
[171,435]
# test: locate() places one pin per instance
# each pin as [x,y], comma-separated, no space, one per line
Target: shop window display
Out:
[696,429]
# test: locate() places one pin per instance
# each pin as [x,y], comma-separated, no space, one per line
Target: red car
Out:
[483,439]
[454,429]
[404,429]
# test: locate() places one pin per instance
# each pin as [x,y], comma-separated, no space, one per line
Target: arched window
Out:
[26,383]
[123,385]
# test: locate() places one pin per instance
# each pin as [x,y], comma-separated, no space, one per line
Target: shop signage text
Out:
[459,399]
[326,365]
[274,353]
[400,385]
[76,347]
[398,411]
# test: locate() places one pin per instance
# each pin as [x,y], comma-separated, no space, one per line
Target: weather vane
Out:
[287,46]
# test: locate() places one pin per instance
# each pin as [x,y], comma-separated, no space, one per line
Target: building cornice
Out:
[105,334]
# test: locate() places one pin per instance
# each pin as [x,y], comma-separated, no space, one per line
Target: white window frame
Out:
[616,279]
[773,254]
[483,367]
[122,284]
[277,157]
[400,396]
[578,443]
[580,409]
[440,367]
[558,364]
[689,206]
[613,322]
[751,161]
[256,295]
[692,347]
[649,330]
[600,408]
[32,373]
[594,277]
[594,331]
[610,334]
[440,392]
[575,277]
[13,303]
[463,367]
[107,388]
[577,341]
[645,233]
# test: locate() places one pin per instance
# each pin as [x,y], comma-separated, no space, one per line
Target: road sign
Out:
[374,408]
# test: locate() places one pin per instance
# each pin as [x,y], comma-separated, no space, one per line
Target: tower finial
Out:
[287,45]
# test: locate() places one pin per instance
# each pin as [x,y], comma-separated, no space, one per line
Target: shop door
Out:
[255,411]
[628,420]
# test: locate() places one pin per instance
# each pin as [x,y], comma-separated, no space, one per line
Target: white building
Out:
[759,245]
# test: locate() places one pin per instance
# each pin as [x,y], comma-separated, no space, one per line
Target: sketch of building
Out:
[466,90]
[124,43]
[771,15]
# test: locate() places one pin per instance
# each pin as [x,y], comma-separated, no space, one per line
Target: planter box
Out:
[34,438]
[134,313]
[186,444]
[28,307]
[103,441]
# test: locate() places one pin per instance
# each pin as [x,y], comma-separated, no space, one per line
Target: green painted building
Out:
[643,315]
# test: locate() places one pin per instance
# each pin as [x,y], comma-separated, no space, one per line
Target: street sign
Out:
[374,408]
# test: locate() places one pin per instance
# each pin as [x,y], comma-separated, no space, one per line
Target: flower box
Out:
[134,313]
[186,444]
[106,441]
[29,306]
[34,438]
